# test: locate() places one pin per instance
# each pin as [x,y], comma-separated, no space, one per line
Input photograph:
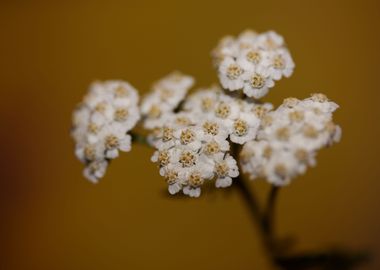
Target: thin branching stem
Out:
[332,259]
[269,213]
[139,138]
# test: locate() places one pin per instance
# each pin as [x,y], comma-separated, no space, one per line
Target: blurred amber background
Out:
[51,218]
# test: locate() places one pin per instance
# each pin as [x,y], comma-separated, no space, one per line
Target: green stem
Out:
[269,213]
[139,138]
[253,205]
[333,259]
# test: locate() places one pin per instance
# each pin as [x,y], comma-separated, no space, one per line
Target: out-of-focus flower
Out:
[101,123]
[289,138]
[164,98]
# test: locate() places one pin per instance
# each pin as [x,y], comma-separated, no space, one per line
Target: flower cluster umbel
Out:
[194,134]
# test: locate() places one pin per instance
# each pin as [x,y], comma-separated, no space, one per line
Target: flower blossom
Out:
[101,123]
[193,146]
[289,138]
[164,98]
[252,62]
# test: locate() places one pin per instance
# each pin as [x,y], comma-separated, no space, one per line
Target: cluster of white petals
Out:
[164,98]
[193,146]
[252,62]
[197,137]
[100,125]
[289,138]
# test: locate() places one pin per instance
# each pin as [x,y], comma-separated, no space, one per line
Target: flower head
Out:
[164,98]
[252,62]
[101,123]
[289,138]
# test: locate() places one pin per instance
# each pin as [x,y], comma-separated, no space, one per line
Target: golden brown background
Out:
[51,218]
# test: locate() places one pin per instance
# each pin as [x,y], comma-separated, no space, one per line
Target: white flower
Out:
[244,128]
[288,139]
[252,62]
[214,127]
[192,141]
[254,157]
[280,64]
[195,178]
[258,82]
[214,145]
[227,110]
[89,152]
[225,168]
[164,98]
[269,40]
[247,38]
[252,57]
[202,103]
[114,138]
[95,170]
[282,168]
[101,123]
[189,138]
[231,74]
[194,192]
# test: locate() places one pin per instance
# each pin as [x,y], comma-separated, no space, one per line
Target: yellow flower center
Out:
[259,111]
[318,97]
[278,62]
[111,142]
[89,152]
[267,153]
[166,93]
[223,110]
[121,114]
[167,134]
[211,128]
[182,121]
[187,136]
[290,102]
[267,120]
[283,133]
[234,71]
[120,92]
[187,159]
[254,57]
[280,170]
[212,148]
[257,81]
[100,107]
[301,155]
[163,158]
[171,177]
[221,169]
[93,128]
[195,179]
[207,104]
[240,127]
[154,112]
[296,116]
[310,132]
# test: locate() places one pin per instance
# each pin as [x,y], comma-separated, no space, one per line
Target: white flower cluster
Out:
[252,62]
[164,98]
[101,123]
[192,145]
[289,138]
[193,134]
